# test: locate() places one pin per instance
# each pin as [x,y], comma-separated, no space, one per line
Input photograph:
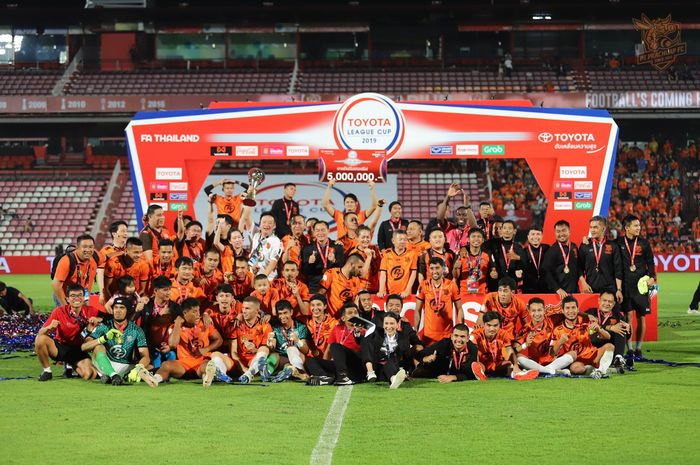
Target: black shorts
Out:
[69,354]
[638,303]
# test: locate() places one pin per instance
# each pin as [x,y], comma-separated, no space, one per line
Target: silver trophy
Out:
[255,178]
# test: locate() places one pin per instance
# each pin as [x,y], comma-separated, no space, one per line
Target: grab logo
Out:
[369,122]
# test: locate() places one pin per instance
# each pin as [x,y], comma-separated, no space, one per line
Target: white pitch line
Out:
[323,452]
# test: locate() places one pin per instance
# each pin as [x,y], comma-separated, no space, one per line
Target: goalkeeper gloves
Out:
[134,375]
[111,334]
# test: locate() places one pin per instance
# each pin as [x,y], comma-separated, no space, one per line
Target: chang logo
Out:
[369,122]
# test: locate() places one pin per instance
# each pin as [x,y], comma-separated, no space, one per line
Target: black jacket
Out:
[385,232]
[444,363]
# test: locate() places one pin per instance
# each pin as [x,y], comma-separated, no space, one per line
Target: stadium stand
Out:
[58,210]
[27,81]
[177,82]
[632,78]
[437,80]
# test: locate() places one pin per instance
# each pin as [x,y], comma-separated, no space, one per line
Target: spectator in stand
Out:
[387,227]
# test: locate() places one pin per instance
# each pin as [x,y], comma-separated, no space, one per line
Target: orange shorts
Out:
[587,356]
[542,359]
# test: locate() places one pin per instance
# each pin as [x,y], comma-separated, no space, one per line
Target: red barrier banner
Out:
[351,165]
[632,100]
[472,307]
[677,263]
[34,264]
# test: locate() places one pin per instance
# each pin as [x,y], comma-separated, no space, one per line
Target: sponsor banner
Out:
[583,185]
[221,150]
[583,205]
[497,149]
[404,130]
[563,206]
[178,196]
[562,195]
[471,307]
[441,150]
[159,186]
[351,165]
[246,150]
[159,196]
[467,149]
[174,173]
[677,263]
[177,206]
[309,195]
[178,186]
[625,100]
[583,195]
[573,171]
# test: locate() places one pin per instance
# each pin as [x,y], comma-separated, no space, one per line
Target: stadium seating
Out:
[642,78]
[451,80]
[177,82]
[60,210]
[28,81]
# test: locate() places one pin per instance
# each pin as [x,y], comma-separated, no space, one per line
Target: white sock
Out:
[253,368]
[630,345]
[158,378]
[295,358]
[219,364]
[605,361]
[639,345]
[69,366]
[559,363]
[530,364]
[47,370]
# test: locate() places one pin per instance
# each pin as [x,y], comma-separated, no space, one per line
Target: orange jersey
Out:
[191,340]
[492,354]
[512,315]
[340,221]
[225,322]
[398,269]
[109,251]
[257,334]
[242,287]
[180,292]
[161,269]
[423,262]
[267,301]
[208,283]
[417,248]
[229,206]
[373,278]
[193,250]
[438,305]
[339,289]
[579,341]
[320,332]
[295,251]
[150,238]
[538,349]
[473,274]
[348,242]
[115,269]
[280,284]
[83,274]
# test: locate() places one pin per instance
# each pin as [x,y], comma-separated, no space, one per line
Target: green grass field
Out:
[648,416]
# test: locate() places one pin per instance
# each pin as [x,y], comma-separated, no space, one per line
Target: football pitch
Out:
[643,417]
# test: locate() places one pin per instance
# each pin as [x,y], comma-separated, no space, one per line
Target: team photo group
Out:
[237,297]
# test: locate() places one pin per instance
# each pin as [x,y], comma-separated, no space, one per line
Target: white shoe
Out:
[693,312]
[397,379]
[209,374]
[597,374]
[371,376]
[563,371]
[148,378]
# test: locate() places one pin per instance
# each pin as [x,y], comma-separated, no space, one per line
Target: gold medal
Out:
[566,270]
[633,268]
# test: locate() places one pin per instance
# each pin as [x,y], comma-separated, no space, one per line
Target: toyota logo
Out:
[545,137]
